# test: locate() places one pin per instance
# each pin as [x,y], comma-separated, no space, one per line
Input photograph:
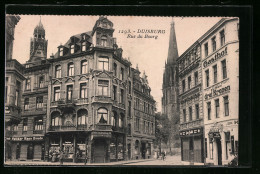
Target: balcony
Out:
[63,128]
[192,124]
[101,99]
[101,127]
[81,101]
[120,105]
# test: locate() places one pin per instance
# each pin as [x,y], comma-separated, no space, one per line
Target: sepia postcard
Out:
[121,90]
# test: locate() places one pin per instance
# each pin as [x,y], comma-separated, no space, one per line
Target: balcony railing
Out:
[120,105]
[81,101]
[63,128]
[104,127]
[191,124]
[102,99]
[82,127]
[37,131]
[58,102]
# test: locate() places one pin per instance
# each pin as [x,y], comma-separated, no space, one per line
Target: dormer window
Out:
[104,41]
[72,49]
[61,51]
[84,37]
[83,46]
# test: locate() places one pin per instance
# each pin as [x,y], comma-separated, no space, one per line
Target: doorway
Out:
[219,151]
[143,150]
[99,151]
[30,152]
[191,150]
[129,151]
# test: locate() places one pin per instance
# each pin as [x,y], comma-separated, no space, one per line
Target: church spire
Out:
[173,50]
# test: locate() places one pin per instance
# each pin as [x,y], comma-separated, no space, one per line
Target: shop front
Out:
[192,145]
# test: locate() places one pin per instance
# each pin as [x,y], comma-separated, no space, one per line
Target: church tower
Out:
[38,46]
[170,106]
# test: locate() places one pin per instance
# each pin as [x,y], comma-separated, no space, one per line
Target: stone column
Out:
[152,152]
[108,151]
[89,151]
[223,147]
[74,146]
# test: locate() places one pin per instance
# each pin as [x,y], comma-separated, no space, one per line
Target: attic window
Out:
[61,51]
[84,37]
[83,46]
[72,49]
[104,41]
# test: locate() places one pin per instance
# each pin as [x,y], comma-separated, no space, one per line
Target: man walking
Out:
[61,157]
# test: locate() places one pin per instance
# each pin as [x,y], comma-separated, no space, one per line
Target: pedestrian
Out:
[163,155]
[61,157]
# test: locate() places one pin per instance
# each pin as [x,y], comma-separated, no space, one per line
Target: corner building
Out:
[191,110]
[220,74]
[90,98]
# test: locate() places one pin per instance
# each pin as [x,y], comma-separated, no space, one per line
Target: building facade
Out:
[170,105]
[191,110]
[220,74]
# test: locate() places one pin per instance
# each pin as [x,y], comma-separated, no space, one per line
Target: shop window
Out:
[69,92]
[184,115]
[39,102]
[206,49]
[115,70]
[28,84]
[209,110]
[197,111]
[217,108]
[196,78]
[38,124]
[41,81]
[56,93]
[103,63]
[102,115]
[207,78]
[215,73]
[70,69]
[58,71]
[103,87]
[26,104]
[222,37]
[190,113]
[226,105]
[83,90]
[189,82]
[84,66]
[224,69]
[213,40]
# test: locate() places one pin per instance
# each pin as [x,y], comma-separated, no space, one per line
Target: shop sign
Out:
[7,110]
[190,98]
[190,132]
[17,138]
[8,138]
[215,57]
[26,138]
[216,92]
[102,134]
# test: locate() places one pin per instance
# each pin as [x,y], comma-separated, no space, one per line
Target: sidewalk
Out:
[44,163]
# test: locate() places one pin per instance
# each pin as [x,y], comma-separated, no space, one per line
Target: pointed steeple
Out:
[173,50]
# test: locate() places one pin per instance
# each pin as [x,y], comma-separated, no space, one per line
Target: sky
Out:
[149,53]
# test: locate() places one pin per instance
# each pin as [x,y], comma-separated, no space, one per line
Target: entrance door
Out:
[191,150]
[219,151]
[100,151]
[143,150]
[30,152]
[129,151]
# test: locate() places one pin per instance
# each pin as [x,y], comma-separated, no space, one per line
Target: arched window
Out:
[102,115]
[55,119]
[70,69]
[58,71]
[82,117]
[84,66]
[104,41]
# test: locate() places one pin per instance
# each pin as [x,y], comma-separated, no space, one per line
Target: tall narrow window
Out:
[102,115]
[222,37]
[197,111]
[217,108]
[122,74]
[129,87]
[224,69]
[41,81]
[129,109]
[196,79]
[70,69]
[206,148]
[211,148]
[189,82]
[103,87]
[17,93]
[83,90]
[226,105]
[184,115]
[83,46]
[25,124]
[39,102]
[207,78]
[58,71]
[206,49]
[115,92]
[84,67]
[69,92]
[121,96]
[209,110]
[183,85]
[28,83]
[103,63]
[215,71]
[38,124]
[213,40]
[61,51]
[190,113]
[104,41]
[72,49]
[26,104]
[115,70]
[56,93]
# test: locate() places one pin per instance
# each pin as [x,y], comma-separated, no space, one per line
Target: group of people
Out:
[54,156]
[161,155]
